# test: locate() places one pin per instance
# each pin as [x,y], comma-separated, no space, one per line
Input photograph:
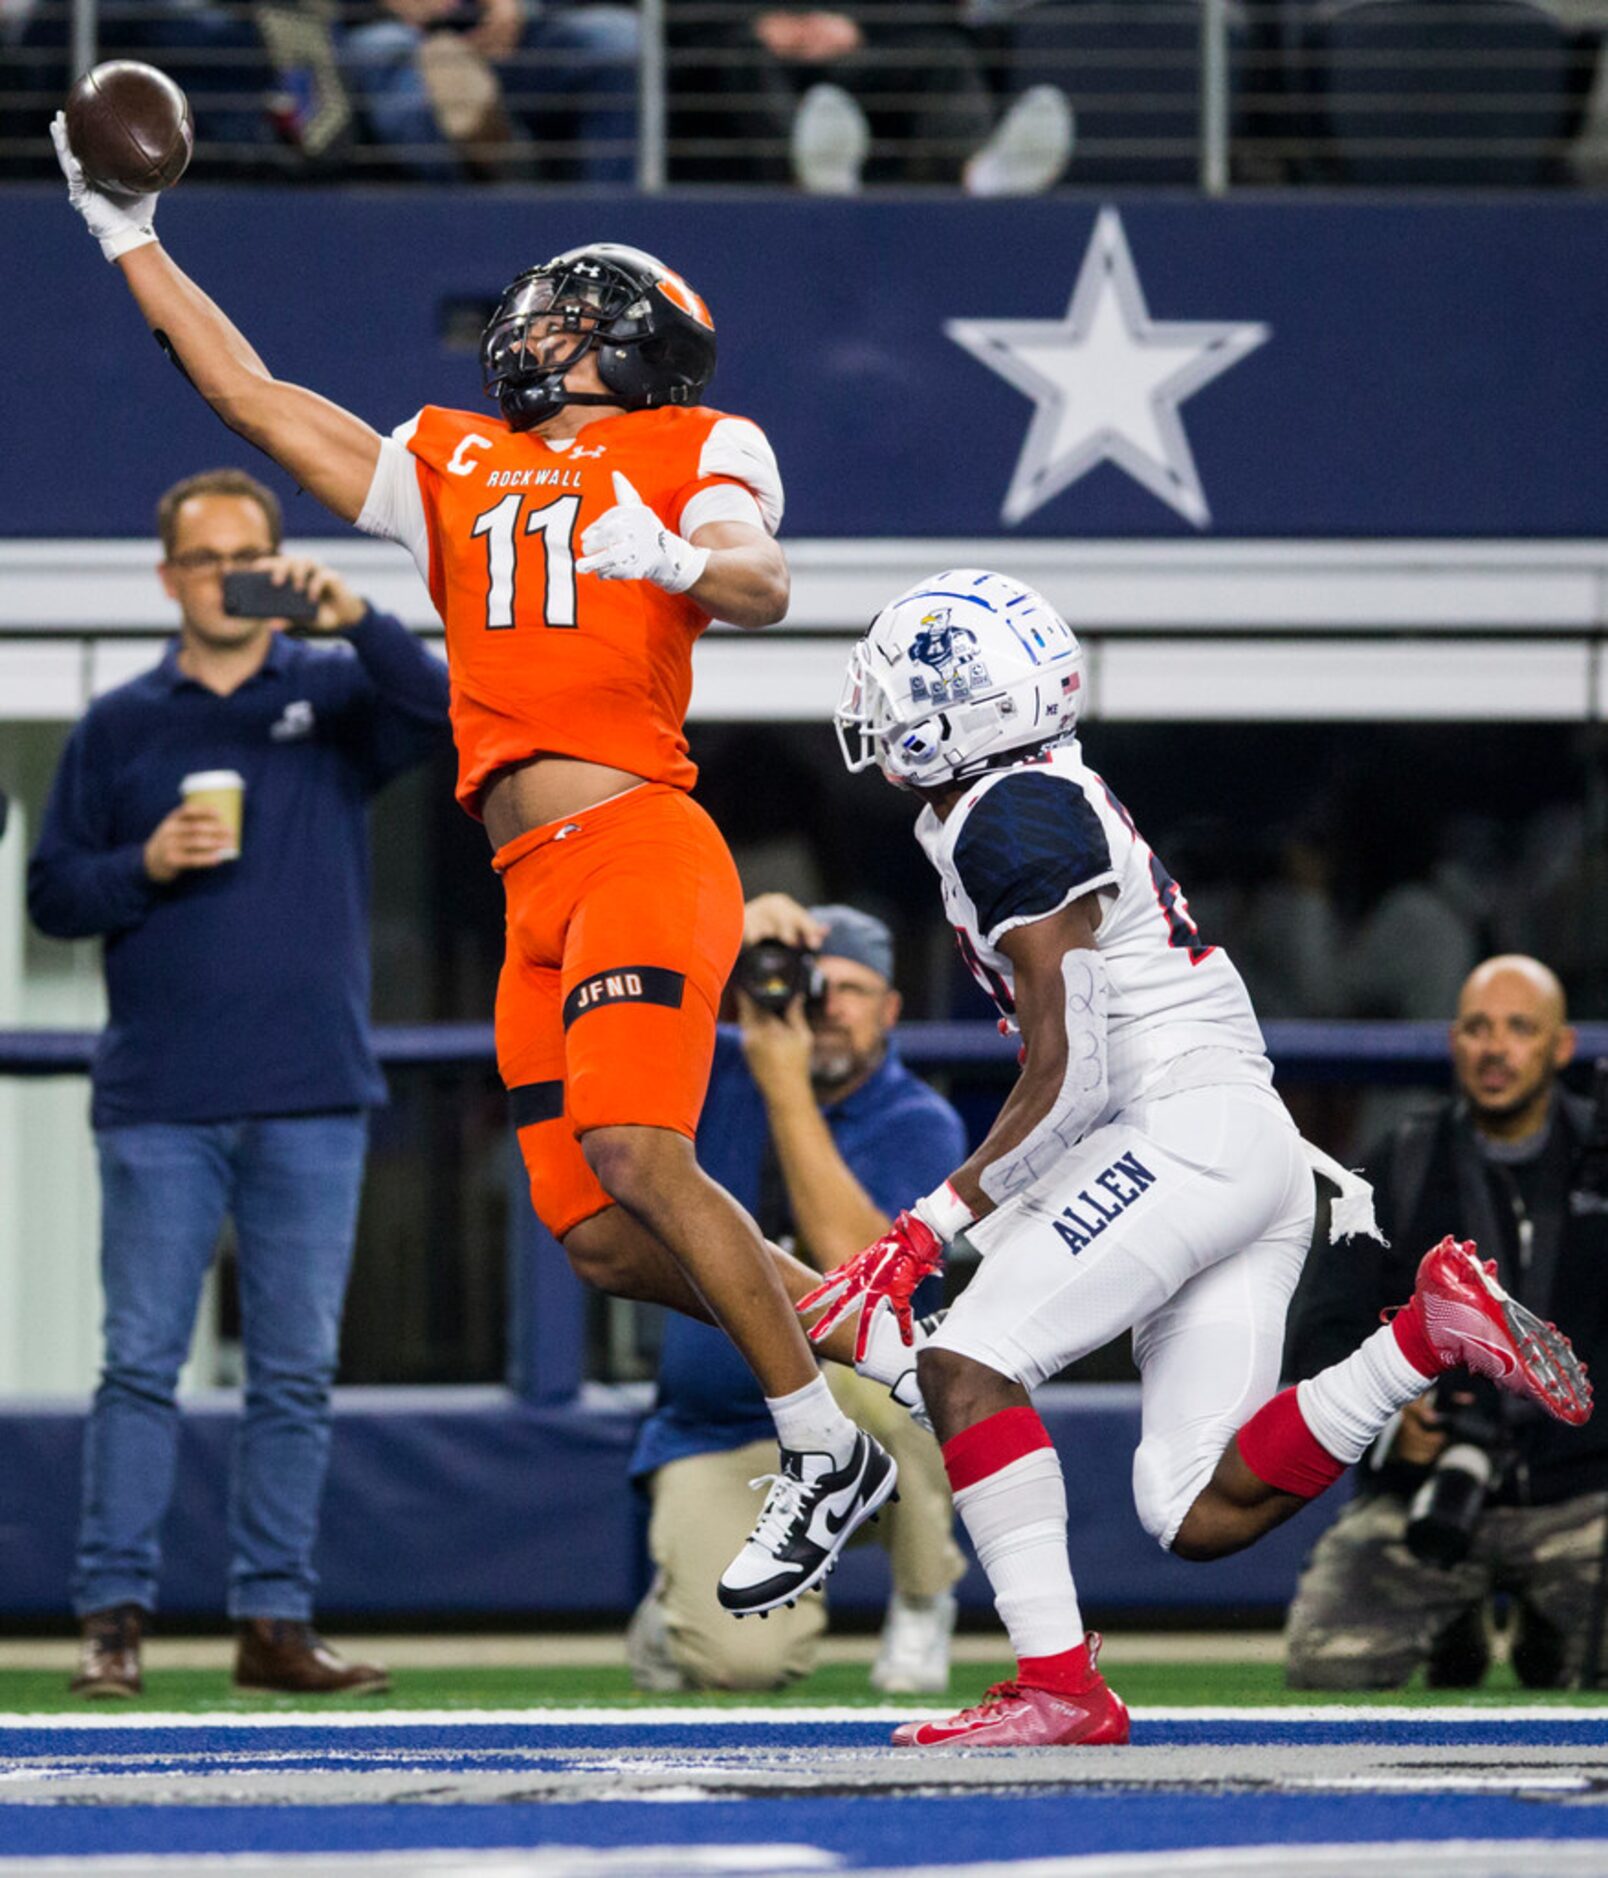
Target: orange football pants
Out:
[624,922]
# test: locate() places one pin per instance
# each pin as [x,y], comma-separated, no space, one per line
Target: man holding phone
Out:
[235,1072]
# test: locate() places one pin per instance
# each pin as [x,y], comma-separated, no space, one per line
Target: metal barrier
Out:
[546,1315]
[1350,1051]
[999,96]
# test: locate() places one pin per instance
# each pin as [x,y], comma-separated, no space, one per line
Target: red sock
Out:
[1413,1341]
[1278,1447]
[991,1444]
[1069,1672]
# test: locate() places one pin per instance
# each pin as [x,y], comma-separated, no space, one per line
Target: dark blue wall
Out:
[467,1501]
[1433,368]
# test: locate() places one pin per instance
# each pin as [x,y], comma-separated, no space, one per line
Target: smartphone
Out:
[259,596]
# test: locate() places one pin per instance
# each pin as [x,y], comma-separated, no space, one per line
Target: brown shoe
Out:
[281,1654]
[109,1653]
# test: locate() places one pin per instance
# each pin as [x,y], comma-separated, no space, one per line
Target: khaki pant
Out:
[704,1508]
[1367,1613]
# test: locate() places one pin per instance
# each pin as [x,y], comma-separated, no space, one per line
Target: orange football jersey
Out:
[543,659]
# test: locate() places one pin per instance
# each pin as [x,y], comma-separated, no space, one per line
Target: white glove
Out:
[629,542]
[117,223]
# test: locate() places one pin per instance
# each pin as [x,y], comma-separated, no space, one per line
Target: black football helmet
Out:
[653,336]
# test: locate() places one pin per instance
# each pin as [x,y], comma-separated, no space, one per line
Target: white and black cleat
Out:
[811,1512]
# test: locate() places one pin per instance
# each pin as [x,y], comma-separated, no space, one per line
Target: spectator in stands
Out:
[848,90]
[815,1124]
[473,87]
[235,1072]
[1469,1493]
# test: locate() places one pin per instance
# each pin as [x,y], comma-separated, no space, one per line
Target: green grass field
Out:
[1143,1685]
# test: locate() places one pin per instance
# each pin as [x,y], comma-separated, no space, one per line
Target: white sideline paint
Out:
[798,1717]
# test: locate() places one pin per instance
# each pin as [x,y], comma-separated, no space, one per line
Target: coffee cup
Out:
[223,791]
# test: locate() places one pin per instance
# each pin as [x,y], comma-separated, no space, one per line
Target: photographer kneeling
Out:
[1468,1494]
[818,1128]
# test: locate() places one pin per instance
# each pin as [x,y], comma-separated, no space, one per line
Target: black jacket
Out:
[1429,1179]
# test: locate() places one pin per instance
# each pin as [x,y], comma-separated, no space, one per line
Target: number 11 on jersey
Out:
[555,522]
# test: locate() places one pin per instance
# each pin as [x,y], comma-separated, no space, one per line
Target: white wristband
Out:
[122,241]
[686,564]
[944,1211]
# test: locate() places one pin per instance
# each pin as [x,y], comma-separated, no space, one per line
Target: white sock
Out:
[1348,1403]
[1017,1522]
[810,1422]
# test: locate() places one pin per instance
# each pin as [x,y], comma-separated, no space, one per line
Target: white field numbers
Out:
[555,522]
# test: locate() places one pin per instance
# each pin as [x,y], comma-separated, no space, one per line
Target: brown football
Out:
[130,127]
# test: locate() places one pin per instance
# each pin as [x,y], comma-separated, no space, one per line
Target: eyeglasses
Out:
[209,561]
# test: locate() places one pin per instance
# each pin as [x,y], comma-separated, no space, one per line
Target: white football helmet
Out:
[955,673]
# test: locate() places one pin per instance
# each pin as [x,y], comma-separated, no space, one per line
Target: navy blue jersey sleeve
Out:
[1027,846]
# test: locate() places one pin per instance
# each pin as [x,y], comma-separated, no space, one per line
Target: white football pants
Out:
[1186,1220]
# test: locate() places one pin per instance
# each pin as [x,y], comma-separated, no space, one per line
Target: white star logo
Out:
[1107,381]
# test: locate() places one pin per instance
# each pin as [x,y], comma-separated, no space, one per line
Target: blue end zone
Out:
[319,1746]
[862,1831]
[857,1828]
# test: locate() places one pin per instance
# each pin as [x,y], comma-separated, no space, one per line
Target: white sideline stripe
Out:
[624,1719]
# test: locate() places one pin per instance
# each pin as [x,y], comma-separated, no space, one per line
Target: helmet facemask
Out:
[630,311]
[903,750]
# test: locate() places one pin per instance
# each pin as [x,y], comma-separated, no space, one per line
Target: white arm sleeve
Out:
[393,507]
[723,502]
[1084,1088]
[742,451]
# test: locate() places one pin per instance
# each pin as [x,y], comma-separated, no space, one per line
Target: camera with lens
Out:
[1446,1509]
[774,974]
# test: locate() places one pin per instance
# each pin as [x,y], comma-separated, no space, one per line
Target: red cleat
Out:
[1014,1716]
[1470,1320]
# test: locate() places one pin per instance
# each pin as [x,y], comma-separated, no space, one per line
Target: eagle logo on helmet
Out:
[938,643]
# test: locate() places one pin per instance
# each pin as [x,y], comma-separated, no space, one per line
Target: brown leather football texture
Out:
[130,127]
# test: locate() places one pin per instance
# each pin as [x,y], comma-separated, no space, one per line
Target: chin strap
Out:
[509,399]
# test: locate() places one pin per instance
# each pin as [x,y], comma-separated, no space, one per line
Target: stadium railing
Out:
[537,1472]
[547,1329]
[1204,93]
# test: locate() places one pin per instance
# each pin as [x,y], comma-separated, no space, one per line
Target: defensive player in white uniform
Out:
[1142,1173]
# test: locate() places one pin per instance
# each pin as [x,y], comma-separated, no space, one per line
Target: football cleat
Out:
[1470,1320]
[810,1513]
[1017,1715]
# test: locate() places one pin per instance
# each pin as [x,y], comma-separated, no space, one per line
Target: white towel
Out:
[1353,1210]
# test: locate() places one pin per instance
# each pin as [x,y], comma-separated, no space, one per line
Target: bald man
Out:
[1500,1162]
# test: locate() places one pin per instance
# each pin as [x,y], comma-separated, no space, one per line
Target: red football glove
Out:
[891,1269]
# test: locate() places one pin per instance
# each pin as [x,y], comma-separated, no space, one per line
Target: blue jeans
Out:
[291,1185]
[577,64]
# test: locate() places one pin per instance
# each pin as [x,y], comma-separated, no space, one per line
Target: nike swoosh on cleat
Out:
[1495,1349]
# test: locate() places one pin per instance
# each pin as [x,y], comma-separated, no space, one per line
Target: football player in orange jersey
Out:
[575,548]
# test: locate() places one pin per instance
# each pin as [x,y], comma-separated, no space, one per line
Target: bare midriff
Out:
[546,789]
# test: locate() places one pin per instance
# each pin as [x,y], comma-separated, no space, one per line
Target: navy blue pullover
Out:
[241,989]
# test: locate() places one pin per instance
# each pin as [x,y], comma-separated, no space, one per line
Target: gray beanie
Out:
[851,934]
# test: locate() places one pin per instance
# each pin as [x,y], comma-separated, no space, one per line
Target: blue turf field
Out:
[1403,1781]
